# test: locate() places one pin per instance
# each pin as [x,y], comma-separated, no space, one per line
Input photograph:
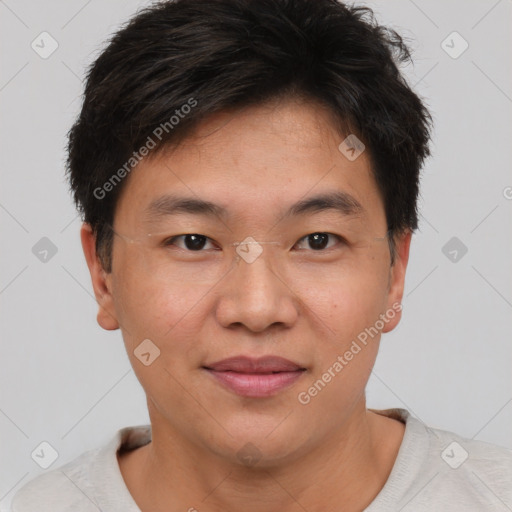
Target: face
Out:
[313,284]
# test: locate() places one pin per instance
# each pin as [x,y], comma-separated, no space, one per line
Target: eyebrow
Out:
[168,205]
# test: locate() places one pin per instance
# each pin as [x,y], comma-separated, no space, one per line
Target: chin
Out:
[260,442]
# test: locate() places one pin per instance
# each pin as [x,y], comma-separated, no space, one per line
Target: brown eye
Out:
[318,241]
[190,242]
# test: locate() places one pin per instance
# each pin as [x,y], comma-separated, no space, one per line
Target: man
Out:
[248,173]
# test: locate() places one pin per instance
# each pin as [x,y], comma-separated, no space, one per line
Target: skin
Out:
[292,301]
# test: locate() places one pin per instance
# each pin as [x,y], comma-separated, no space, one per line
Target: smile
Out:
[255,378]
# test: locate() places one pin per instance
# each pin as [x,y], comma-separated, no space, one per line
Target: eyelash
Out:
[170,241]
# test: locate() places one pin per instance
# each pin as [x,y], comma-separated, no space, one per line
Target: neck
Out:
[349,467]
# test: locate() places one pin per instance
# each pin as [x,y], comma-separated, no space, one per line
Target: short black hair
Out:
[177,62]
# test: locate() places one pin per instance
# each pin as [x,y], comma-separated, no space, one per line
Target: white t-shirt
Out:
[434,471]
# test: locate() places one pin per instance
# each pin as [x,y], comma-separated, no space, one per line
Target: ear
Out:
[397,279]
[101,280]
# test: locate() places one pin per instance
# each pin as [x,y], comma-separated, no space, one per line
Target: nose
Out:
[256,295]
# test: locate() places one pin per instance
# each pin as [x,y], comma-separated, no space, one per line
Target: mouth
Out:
[255,378]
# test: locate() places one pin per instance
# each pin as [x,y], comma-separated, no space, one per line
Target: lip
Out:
[255,377]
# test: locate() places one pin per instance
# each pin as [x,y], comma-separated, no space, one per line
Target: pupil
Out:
[318,241]
[195,242]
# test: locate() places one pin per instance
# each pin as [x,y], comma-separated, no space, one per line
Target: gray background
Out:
[65,381]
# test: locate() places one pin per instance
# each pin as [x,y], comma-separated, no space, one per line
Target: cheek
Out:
[160,310]
[345,354]
[347,304]
[168,316]
[346,297]
[350,311]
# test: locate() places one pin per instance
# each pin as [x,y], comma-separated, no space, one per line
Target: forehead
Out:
[264,160]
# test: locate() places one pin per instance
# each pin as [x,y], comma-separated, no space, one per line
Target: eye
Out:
[190,242]
[319,241]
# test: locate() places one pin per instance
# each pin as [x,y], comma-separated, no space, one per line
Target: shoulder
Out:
[89,483]
[474,475]
[477,465]
[455,450]
[58,490]
[451,448]
[439,468]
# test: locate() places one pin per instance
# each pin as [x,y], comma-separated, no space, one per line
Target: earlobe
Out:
[397,280]
[101,280]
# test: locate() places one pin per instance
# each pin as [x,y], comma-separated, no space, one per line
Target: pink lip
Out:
[255,377]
